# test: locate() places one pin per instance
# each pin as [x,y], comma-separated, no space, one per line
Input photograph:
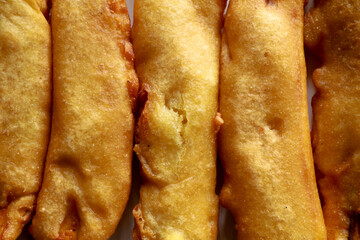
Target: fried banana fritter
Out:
[88,167]
[25,88]
[265,148]
[177,48]
[332,31]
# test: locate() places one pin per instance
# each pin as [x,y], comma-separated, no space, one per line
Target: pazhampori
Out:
[269,183]
[177,48]
[88,167]
[332,31]
[25,101]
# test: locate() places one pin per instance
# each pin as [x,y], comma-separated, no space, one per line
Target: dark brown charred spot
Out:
[354,229]
[10,196]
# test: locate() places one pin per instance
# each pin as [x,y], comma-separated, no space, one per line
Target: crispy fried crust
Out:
[332,31]
[265,146]
[88,170]
[177,47]
[25,70]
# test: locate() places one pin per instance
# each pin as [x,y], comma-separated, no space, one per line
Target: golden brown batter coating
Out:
[177,47]
[88,169]
[265,143]
[332,31]
[25,70]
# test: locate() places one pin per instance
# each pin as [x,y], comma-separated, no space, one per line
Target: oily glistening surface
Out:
[226,223]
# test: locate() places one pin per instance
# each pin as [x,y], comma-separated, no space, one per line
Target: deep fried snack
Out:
[25,88]
[265,148]
[88,169]
[177,48]
[332,31]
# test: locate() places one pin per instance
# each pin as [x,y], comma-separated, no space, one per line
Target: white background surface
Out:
[226,222]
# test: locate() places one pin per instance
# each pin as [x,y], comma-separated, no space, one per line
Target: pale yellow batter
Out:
[25,88]
[88,170]
[265,146]
[177,47]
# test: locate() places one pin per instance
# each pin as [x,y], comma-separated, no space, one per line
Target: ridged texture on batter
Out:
[25,88]
[332,31]
[265,141]
[177,46]
[88,169]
